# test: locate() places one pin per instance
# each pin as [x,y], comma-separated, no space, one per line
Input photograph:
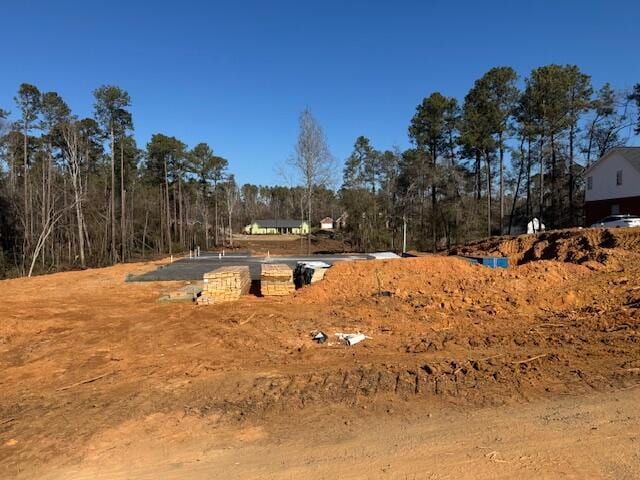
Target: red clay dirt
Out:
[92,364]
[596,248]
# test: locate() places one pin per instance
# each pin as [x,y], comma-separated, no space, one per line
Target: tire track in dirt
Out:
[472,381]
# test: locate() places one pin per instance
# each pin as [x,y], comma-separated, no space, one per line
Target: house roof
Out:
[278,223]
[630,154]
[326,220]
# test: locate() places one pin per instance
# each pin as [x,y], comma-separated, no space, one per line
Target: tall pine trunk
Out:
[554,184]
[501,151]
[26,242]
[43,202]
[180,210]
[571,180]
[515,194]
[541,182]
[529,209]
[478,169]
[167,206]
[215,212]
[123,203]
[114,254]
[488,165]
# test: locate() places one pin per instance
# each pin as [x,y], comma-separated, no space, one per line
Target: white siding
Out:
[604,180]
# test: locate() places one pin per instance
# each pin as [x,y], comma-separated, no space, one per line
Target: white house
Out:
[613,184]
[326,223]
[277,226]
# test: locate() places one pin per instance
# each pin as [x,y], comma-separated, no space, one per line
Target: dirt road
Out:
[596,436]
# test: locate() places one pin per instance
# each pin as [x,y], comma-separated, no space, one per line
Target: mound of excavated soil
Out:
[594,248]
[436,283]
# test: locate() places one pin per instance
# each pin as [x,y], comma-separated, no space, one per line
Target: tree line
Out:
[487,164]
[78,192]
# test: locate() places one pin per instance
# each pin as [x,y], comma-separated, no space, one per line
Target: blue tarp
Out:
[491,262]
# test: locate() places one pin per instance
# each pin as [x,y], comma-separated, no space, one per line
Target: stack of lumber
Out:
[225,284]
[276,279]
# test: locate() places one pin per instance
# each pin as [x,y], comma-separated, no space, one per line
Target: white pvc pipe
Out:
[355,338]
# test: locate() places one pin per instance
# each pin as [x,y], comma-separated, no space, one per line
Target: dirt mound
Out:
[594,248]
[383,277]
[444,284]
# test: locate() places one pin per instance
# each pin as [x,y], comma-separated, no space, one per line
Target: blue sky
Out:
[236,74]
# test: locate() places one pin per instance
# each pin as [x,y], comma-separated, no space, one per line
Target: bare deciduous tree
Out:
[312,161]
[232,196]
[73,154]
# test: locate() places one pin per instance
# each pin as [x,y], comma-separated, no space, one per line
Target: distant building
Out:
[341,221]
[276,226]
[613,184]
[326,223]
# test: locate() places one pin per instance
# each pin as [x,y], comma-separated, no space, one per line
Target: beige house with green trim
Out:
[277,227]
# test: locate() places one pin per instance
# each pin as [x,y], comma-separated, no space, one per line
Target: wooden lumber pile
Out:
[225,284]
[276,279]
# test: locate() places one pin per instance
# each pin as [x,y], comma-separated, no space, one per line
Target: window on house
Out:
[589,183]
[615,209]
[619,177]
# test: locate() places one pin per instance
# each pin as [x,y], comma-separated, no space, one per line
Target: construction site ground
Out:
[469,372]
[192,268]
